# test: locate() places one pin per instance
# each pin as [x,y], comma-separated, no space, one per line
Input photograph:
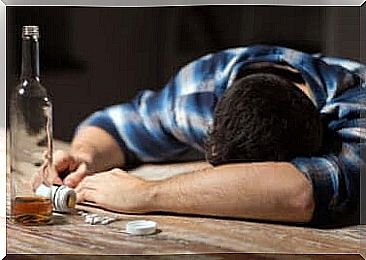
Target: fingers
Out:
[53,176]
[87,189]
[66,169]
[45,174]
[74,178]
[37,178]
[63,161]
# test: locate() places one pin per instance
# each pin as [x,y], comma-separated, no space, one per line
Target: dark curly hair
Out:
[263,117]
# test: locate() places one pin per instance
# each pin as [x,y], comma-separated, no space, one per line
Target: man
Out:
[257,115]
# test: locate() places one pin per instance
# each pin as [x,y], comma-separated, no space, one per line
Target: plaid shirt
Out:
[173,123]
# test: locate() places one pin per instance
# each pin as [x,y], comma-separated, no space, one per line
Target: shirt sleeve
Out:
[171,124]
[335,174]
[138,128]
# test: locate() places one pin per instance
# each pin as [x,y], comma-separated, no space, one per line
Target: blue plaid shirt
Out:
[173,123]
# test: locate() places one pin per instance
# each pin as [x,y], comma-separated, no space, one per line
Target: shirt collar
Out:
[280,68]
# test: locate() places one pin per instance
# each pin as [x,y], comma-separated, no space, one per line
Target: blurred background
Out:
[94,57]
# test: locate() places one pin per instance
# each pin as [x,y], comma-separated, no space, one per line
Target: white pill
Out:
[89,220]
[105,222]
[105,219]
[97,220]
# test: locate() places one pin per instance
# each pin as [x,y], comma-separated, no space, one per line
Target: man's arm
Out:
[92,150]
[267,191]
[97,147]
[143,130]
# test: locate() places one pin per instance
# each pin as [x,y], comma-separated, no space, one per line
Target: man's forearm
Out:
[97,147]
[269,191]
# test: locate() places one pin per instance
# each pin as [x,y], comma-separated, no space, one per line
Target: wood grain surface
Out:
[178,234]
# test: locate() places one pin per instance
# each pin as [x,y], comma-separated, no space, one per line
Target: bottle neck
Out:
[30,58]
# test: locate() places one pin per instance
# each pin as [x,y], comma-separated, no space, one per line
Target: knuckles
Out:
[116,171]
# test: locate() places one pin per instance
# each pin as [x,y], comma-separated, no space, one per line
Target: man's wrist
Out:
[86,153]
[98,148]
[151,196]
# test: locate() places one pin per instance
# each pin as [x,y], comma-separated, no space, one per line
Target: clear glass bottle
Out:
[30,136]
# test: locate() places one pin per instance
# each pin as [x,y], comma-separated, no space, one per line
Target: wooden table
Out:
[178,234]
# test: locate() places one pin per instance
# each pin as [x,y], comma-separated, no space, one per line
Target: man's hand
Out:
[67,169]
[72,168]
[116,190]
[92,150]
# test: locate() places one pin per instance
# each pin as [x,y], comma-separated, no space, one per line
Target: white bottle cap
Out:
[44,191]
[141,227]
[63,198]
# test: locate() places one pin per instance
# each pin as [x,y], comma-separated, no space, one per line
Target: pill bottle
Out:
[63,198]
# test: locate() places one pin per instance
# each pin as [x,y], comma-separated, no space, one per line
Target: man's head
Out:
[263,117]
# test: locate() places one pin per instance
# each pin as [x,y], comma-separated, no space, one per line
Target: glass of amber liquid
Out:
[31,210]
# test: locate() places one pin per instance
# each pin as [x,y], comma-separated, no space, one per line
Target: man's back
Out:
[162,126]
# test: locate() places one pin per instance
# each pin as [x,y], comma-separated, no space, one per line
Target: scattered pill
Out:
[97,220]
[94,219]
[105,222]
[89,220]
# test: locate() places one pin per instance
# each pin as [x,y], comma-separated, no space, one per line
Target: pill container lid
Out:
[141,227]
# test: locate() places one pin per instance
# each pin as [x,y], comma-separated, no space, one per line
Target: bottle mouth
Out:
[30,31]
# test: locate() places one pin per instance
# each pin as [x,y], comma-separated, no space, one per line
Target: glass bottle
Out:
[30,136]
